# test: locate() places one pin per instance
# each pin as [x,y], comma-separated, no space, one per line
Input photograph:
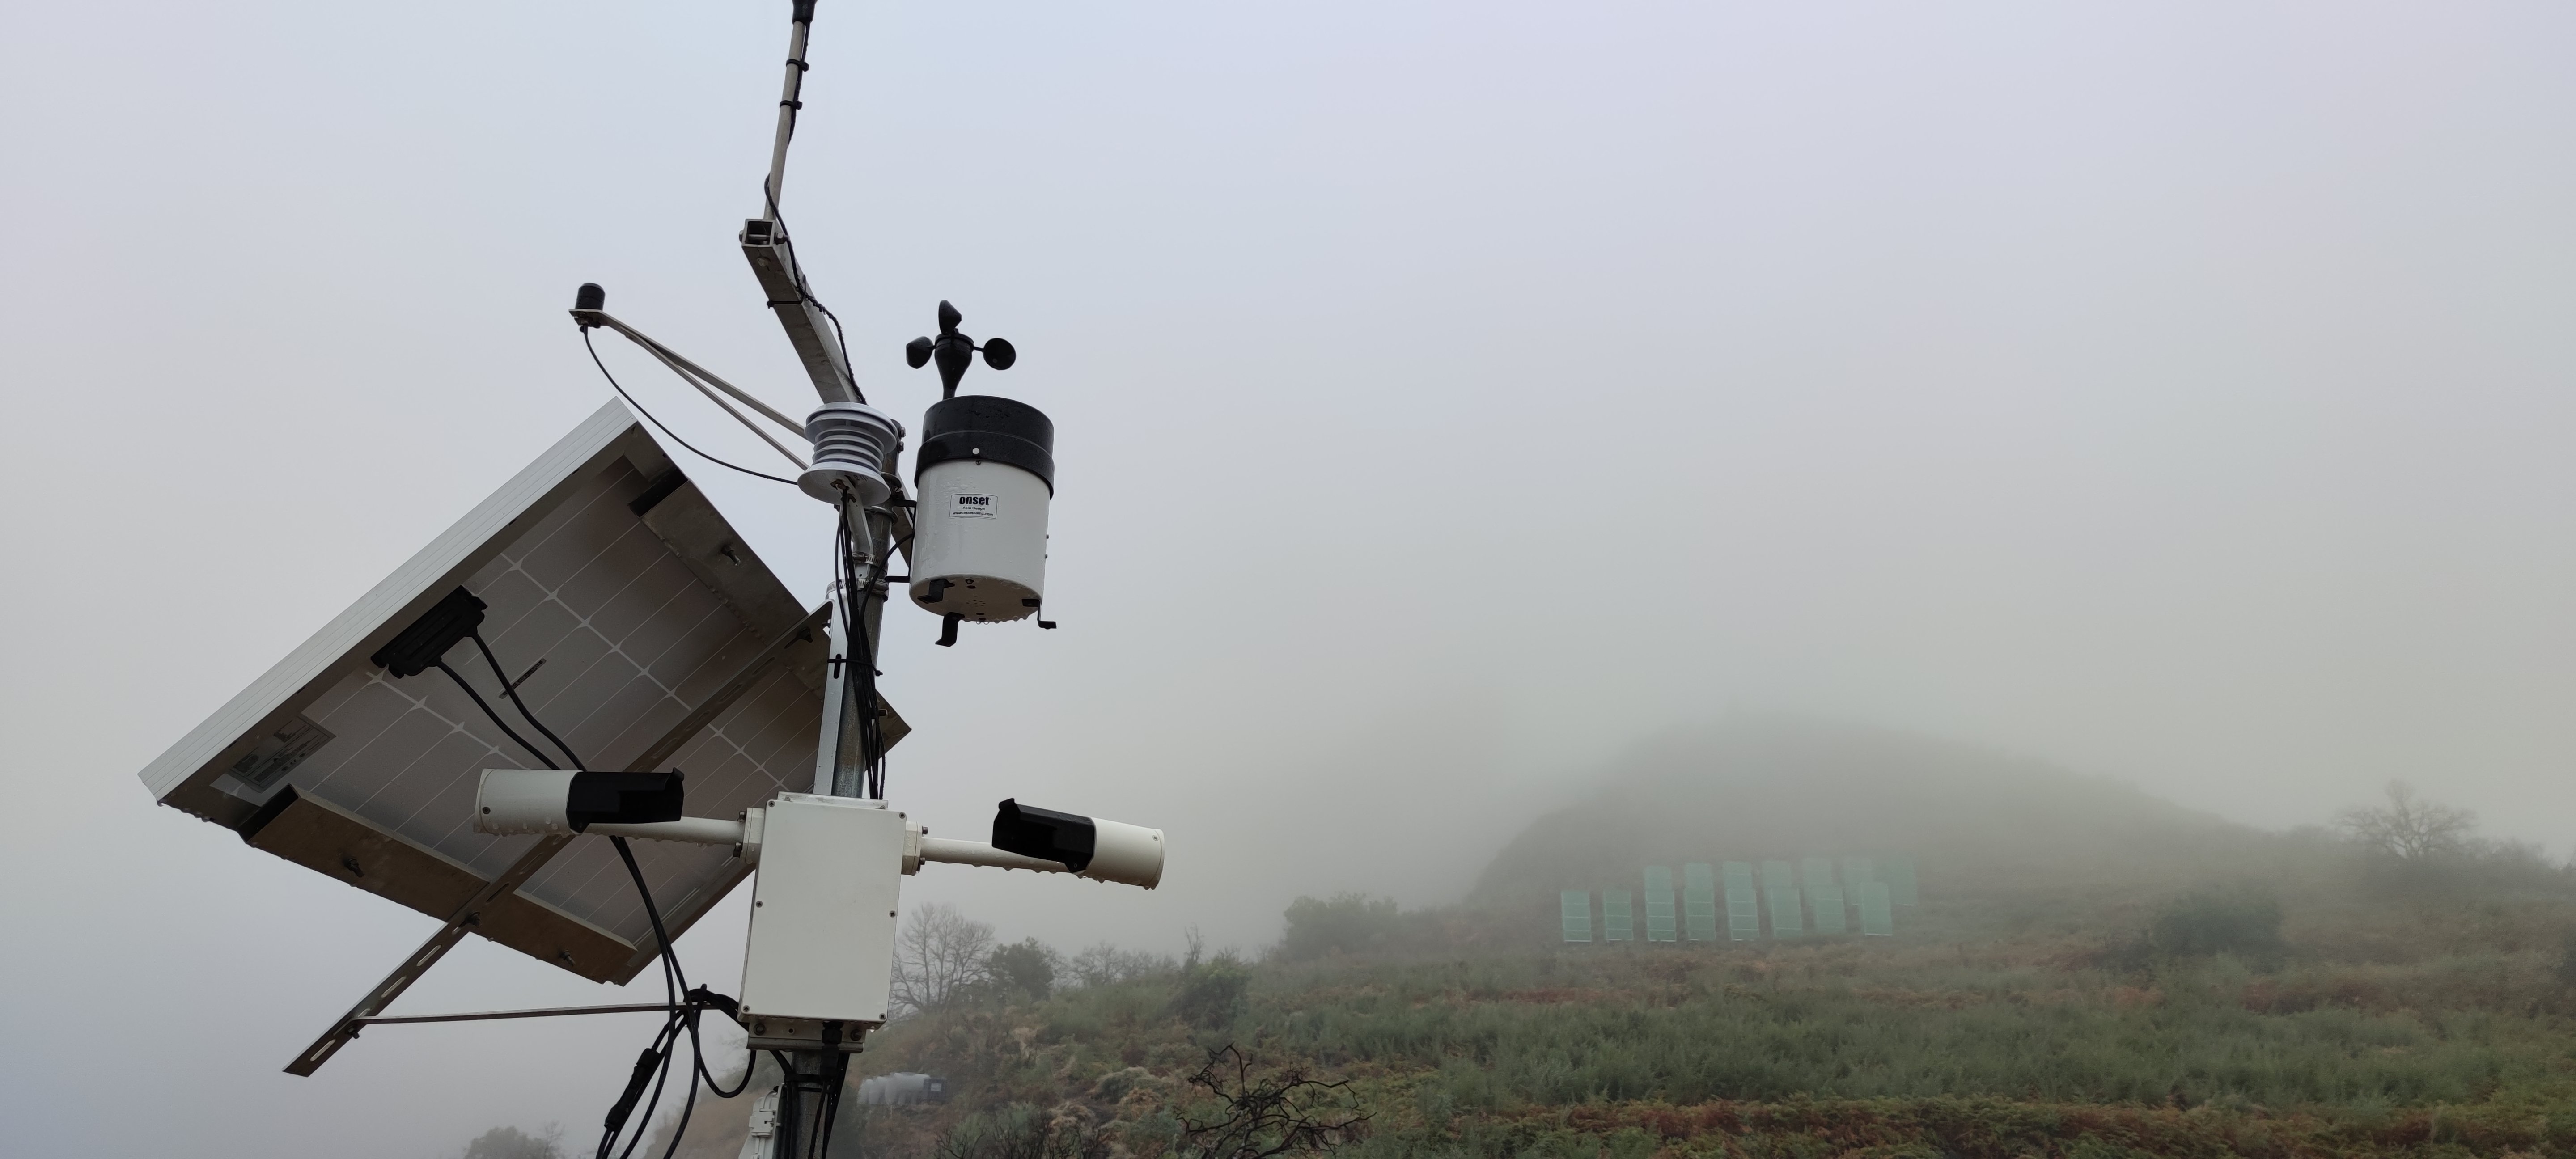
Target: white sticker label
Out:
[971,507]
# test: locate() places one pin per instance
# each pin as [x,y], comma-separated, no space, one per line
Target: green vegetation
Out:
[2244,922]
[2293,995]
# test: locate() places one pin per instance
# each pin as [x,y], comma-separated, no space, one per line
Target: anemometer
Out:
[712,728]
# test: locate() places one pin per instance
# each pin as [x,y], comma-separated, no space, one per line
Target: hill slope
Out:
[1981,823]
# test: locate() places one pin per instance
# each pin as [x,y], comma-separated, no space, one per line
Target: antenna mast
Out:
[789,100]
[811,329]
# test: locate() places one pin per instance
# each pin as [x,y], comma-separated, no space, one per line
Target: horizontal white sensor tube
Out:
[508,801]
[1128,855]
[702,830]
[953,852]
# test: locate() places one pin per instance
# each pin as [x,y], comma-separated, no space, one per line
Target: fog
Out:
[1449,398]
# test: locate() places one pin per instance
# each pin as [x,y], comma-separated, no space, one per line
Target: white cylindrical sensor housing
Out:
[512,801]
[986,474]
[1120,852]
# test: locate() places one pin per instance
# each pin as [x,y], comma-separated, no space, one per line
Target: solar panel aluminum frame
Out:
[762,675]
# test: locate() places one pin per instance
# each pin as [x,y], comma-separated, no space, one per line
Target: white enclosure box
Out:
[821,951]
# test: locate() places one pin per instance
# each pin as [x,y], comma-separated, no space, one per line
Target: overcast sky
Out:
[1448,396]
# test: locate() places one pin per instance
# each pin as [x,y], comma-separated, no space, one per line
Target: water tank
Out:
[986,473]
[902,1088]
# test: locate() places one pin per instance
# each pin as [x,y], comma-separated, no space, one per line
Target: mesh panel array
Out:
[1577,909]
[1699,902]
[1780,896]
[1618,920]
[1660,923]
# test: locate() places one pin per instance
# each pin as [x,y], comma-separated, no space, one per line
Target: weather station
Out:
[587,712]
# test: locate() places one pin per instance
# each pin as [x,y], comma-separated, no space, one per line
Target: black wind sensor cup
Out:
[955,351]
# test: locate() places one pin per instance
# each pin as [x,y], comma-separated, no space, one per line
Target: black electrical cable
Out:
[793,1141]
[656,1060]
[860,655]
[673,981]
[684,1004]
[497,722]
[805,293]
[512,691]
[648,415]
[655,1063]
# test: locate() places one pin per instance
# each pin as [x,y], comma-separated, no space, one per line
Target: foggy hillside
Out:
[1974,819]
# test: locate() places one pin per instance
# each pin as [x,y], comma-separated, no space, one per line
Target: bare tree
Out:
[1107,965]
[1286,1113]
[939,958]
[2408,827]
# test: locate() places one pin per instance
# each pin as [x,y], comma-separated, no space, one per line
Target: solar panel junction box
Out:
[818,970]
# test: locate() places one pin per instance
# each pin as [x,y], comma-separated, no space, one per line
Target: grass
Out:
[2353,1010]
[1844,1048]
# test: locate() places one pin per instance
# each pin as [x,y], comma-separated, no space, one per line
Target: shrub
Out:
[1346,923]
[1022,971]
[2240,922]
[1211,992]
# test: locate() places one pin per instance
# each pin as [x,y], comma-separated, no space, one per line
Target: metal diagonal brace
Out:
[426,956]
[471,913]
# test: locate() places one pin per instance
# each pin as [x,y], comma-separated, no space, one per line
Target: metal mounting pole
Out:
[789,101]
[773,257]
[799,1109]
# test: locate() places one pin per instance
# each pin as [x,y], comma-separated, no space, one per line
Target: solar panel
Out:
[1743,911]
[1900,880]
[1876,919]
[631,618]
[1857,870]
[1824,898]
[1780,896]
[1576,908]
[1699,902]
[1660,924]
[1618,918]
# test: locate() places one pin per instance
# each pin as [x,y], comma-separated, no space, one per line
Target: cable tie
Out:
[791,104]
[801,66]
